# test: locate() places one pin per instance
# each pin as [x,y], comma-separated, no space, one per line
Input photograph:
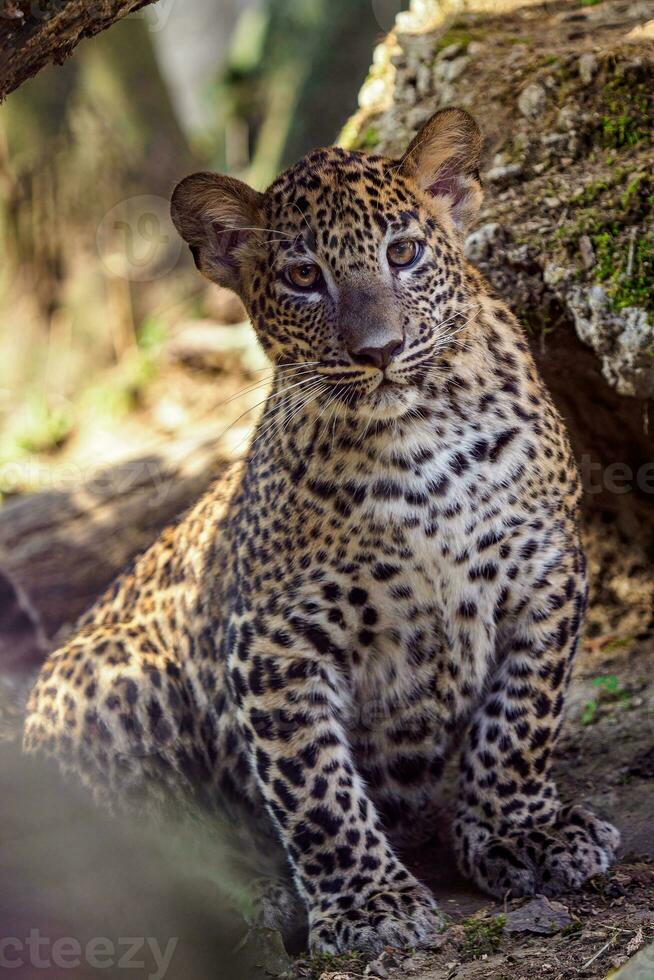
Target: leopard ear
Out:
[444,160]
[218,217]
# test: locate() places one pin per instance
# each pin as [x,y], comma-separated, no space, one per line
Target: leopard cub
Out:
[392,573]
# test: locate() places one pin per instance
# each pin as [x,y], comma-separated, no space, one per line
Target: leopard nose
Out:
[379,357]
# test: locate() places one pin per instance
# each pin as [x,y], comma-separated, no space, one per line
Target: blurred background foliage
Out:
[93,284]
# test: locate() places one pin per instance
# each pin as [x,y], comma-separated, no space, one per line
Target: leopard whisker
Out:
[250,388]
[287,413]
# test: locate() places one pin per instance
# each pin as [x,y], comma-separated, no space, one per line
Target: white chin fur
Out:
[388,403]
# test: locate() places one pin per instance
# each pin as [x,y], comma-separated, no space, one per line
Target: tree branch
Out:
[34,33]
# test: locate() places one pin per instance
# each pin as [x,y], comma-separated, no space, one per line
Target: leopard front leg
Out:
[358,894]
[512,834]
[401,746]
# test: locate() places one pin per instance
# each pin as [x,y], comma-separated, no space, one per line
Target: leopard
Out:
[390,579]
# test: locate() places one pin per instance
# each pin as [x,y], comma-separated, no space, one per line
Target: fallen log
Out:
[61,548]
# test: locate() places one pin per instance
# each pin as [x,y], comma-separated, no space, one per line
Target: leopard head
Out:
[350,264]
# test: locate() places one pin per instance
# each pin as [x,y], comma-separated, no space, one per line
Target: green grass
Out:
[368,140]
[627,268]
[482,938]
[455,35]
[626,110]
[610,690]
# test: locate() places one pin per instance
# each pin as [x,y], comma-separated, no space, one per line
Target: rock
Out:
[263,953]
[540,915]
[588,67]
[587,252]
[641,967]
[567,117]
[377,969]
[503,176]
[481,244]
[623,339]
[424,80]
[450,52]
[448,71]
[554,274]
[636,943]
[532,100]
[643,32]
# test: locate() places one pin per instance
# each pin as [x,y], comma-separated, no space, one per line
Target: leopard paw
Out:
[276,905]
[397,917]
[549,860]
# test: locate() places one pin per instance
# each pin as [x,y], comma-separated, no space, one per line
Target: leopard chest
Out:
[430,578]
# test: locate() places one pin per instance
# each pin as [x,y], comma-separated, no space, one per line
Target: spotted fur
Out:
[393,572]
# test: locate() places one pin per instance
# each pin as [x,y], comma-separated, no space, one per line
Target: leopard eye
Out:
[305,276]
[403,254]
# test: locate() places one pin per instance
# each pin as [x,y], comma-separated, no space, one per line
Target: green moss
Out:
[627,268]
[454,35]
[620,130]
[614,213]
[482,938]
[367,140]
[572,929]
[349,135]
[641,182]
[610,692]
[594,190]
[626,109]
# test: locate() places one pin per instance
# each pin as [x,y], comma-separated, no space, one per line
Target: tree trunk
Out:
[34,33]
